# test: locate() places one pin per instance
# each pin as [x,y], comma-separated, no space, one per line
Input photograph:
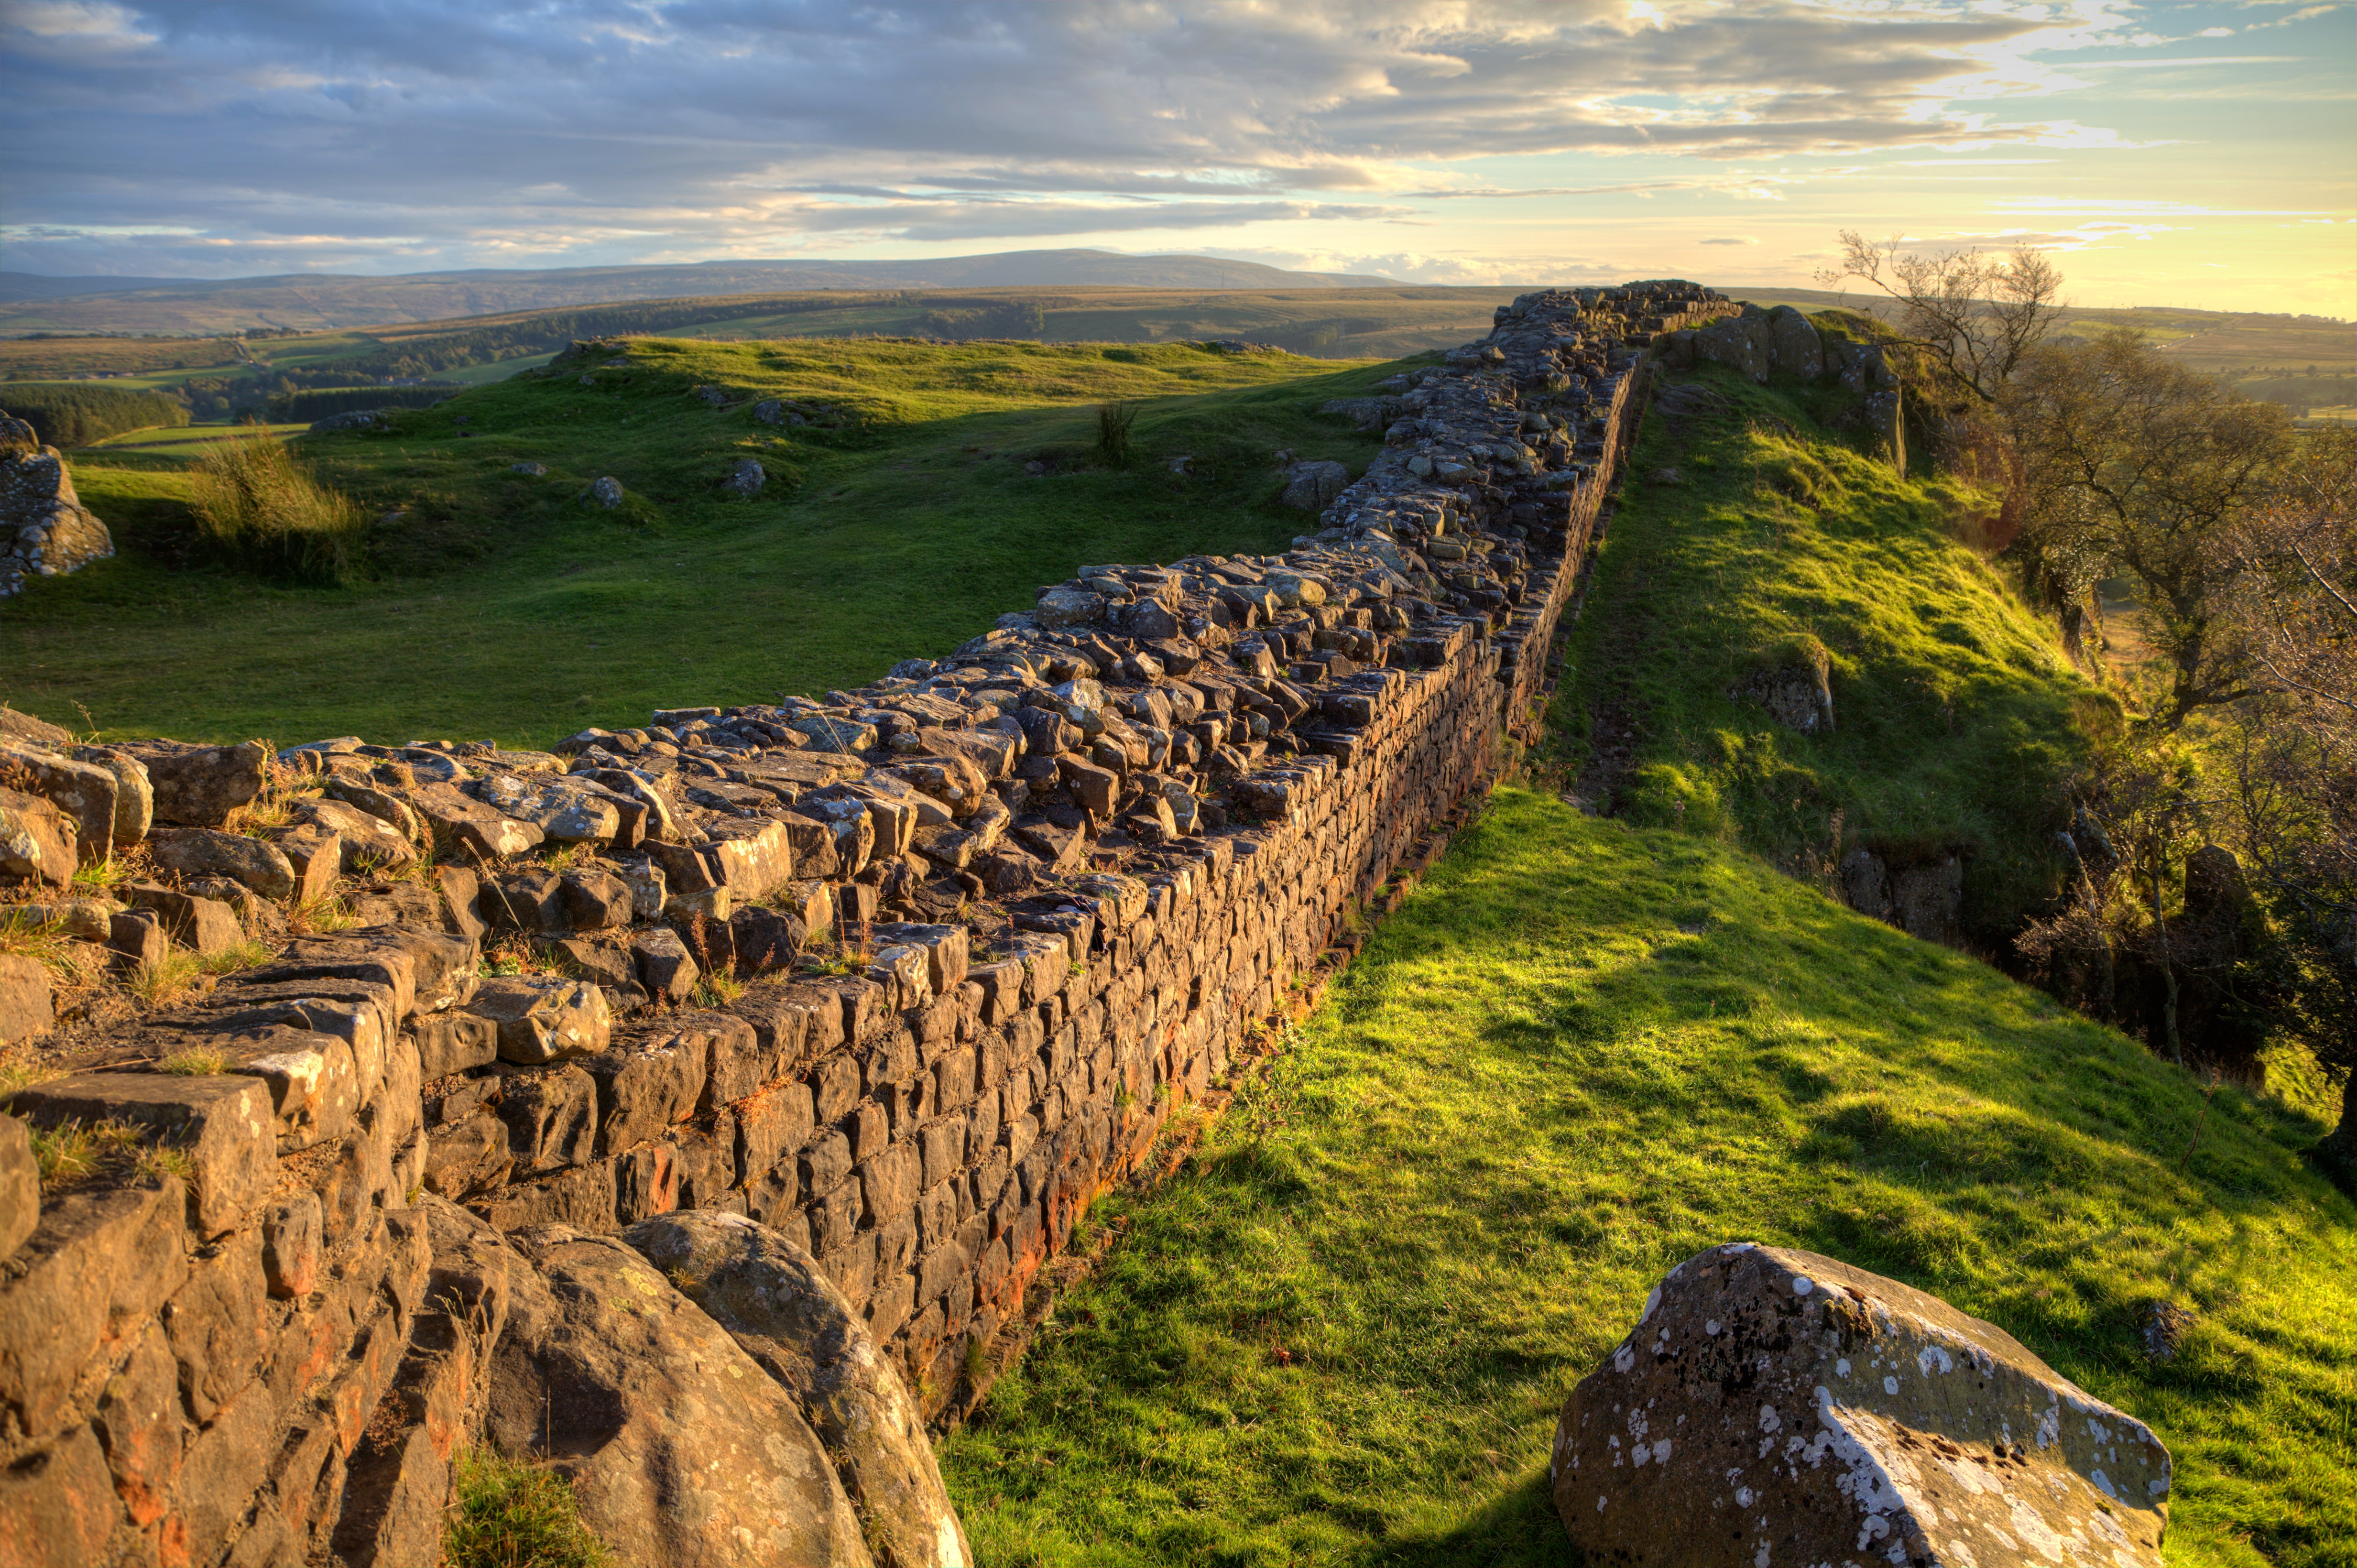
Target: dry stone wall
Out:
[906,974]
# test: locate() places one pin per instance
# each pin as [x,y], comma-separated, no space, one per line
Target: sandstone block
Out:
[202,851]
[36,840]
[20,1187]
[24,1006]
[200,786]
[1777,1403]
[81,790]
[541,1018]
[223,1123]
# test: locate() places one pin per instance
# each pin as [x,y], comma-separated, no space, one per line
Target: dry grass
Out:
[254,501]
[196,1061]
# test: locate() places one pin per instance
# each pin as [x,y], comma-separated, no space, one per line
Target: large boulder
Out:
[1773,1406]
[770,1294]
[683,1451]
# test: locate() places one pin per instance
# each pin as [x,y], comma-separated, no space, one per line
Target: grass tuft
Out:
[510,1513]
[254,502]
[196,1061]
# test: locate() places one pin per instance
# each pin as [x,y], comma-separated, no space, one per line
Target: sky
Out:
[2171,154]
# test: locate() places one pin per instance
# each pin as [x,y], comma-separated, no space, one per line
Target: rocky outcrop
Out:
[1780,340]
[1796,688]
[683,1451]
[45,530]
[1776,1406]
[772,1297]
[905,975]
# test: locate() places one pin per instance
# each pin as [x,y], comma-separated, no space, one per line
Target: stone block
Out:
[25,1009]
[223,1125]
[58,1504]
[81,791]
[541,1018]
[644,1087]
[36,840]
[200,786]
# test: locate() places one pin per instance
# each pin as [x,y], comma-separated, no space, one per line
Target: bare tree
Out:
[2133,464]
[1975,315]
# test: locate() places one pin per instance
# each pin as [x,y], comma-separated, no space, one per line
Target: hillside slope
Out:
[1753,532]
[1579,1053]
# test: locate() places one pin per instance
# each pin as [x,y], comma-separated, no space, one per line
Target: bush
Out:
[508,1513]
[319,402]
[76,413]
[257,502]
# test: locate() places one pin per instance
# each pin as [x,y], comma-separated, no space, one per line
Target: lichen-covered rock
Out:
[1796,690]
[683,1451]
[1778,1407]
[772,1297]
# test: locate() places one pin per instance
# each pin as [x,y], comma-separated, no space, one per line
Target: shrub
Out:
[76,413]
[1114,422]
[255,501]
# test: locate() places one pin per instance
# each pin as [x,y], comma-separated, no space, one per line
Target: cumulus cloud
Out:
[390,133]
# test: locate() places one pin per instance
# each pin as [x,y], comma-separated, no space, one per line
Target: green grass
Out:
[1581,1053]
[500,605]
[508,1513]
[1957,716]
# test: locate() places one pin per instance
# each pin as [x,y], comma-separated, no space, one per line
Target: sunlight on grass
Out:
[1580,1054]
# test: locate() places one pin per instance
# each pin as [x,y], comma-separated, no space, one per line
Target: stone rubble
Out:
[903,975]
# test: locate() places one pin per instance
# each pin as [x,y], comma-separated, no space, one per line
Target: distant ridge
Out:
[317,301]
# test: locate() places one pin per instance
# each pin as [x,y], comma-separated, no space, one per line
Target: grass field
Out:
[503,607]
[1581,1053]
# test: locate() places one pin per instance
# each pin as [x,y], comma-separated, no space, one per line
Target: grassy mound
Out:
[898,520]
[1581,1053]
[1777,538]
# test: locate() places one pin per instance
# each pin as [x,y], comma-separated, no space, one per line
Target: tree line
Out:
[2213,838]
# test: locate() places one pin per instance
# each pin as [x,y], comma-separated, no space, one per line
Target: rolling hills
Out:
[323,301]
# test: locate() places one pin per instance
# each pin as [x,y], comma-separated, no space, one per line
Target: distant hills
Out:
[312,302]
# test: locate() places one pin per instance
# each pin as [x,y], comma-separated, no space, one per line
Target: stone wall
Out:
[906,974]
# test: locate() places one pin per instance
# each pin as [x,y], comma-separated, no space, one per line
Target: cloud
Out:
[389,134]
[1735,240]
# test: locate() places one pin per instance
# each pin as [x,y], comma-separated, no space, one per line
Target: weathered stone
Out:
[1777,1405]
[223,1125]
[201,852]
[20,1187]
[551,1114]
[1309,486]
[24,1006]
[67,1280]
[56,1504]
[774,1301]
[745,479]
[316,856]
[663,965]
[1797,347]
[45,530]
[1068,606]
[644,1085]
[542,1018]
[462,825]
[291,1235]
[680,1449]
[81,790]
[205,926]
[1797,690]
[200,786]
[369,843]
[36,840]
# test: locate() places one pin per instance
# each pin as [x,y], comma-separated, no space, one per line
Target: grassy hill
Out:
[1581,1053]
[499,604]
[1749,531]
